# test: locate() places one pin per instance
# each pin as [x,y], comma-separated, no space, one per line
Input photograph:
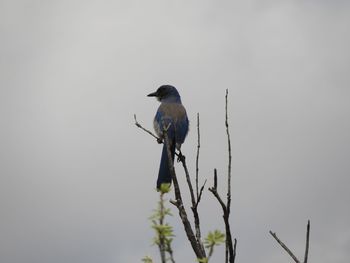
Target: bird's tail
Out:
[164,175]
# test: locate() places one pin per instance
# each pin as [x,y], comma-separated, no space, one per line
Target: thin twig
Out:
[284,247]
[229,250]
[215,179]
[200,193]
[194,206]
[148,131]
[289,251]
[229,156]
[159,140]
[234,250]
[188,179]
[228,206]
[197,157]
[215,192]
[195,200]
[171,254]
[307,241]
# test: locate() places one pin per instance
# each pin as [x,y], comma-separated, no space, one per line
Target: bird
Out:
[172,117]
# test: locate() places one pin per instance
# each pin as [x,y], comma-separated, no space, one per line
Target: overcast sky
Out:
[77,178]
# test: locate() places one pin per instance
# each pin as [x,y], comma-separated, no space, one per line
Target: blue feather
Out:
[171,116]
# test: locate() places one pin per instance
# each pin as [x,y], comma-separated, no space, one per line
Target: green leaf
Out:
[147,259]
[214,239]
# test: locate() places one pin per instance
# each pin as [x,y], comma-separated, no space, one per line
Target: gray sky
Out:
[77,178]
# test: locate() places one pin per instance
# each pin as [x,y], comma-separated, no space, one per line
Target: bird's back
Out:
[175,114]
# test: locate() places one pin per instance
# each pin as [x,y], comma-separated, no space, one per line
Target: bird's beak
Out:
[154,94]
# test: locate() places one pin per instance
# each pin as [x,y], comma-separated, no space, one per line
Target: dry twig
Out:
[307,241]
[148,131]
[197,157]
[230,250]
[289,251]
[179,204]
[285,247]
[229,156]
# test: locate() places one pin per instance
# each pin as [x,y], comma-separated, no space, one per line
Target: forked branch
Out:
[290,253]
[196,246]
[230,251]
[194,239]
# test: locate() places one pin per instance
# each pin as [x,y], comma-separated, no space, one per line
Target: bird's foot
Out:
[159,140]
[180,157]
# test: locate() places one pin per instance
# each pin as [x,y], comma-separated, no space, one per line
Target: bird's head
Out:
[166,93]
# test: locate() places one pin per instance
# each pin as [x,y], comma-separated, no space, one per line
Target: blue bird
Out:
[172,114]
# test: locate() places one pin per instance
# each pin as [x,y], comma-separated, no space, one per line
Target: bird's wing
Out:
[175,114]
[162,121]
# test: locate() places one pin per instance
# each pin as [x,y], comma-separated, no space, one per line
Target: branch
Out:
[194,205]
[230,253]
[234,250]
[195,199]
[229,157]
[170,251]
[179,204]
[197,157]
[196,244]
[289,251]
[148,131]
[195,202]
[200,193]
[307,241]
[188,179]
[159,140]
[284,247]
[230,250]
[215,192]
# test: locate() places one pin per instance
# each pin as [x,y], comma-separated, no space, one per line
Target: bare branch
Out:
[307,241]
[284,247]
[188,179]
[194,205]
[215,192]
[159,140]
[195,200]
[179,204]
[234,250]
[215,178]
[289,251]
[230,252]
[171,254]
[200,193]
[148,131]
[197,157]
[229,156]
[194,240]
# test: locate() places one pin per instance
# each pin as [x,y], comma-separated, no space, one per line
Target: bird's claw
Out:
[180,157]
[159,140]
